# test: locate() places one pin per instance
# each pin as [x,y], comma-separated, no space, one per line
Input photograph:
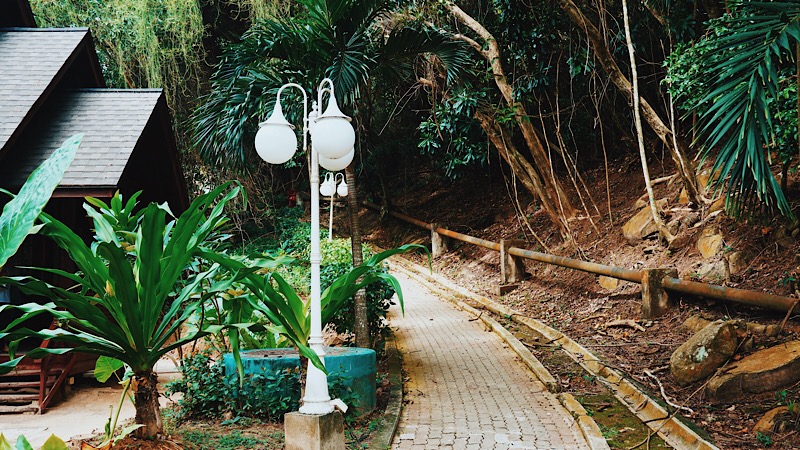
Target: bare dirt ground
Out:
[576,304]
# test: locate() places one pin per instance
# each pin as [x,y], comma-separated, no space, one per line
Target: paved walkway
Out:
[465,388]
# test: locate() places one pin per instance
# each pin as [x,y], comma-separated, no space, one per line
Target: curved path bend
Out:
[465,389]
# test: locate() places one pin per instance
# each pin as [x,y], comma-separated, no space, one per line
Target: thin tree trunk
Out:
[638,122]
[678,152]
[145,400]
[491,52]
[362,331]
[524,171]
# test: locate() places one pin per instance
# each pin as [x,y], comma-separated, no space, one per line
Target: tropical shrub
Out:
[135,290]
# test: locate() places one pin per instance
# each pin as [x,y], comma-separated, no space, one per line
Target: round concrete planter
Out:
[355,368]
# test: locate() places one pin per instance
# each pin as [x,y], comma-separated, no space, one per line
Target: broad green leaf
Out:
[105,367]
[54,443]
[19,214]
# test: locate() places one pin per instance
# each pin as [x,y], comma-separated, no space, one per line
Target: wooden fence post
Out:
[512,268]
[655,300]
[439,244]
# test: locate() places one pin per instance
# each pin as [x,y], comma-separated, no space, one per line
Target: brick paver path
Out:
[465,388]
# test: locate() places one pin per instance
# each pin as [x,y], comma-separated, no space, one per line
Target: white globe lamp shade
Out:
[342,189]
[276,142]
[332,132]
[337,164]
[327,188]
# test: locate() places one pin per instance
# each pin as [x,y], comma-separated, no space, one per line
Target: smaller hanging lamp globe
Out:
[332,132]
[275,141]
[337,164]
[328,187]
[342,189]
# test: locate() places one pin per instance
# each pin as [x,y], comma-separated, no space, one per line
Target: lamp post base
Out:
[313,431]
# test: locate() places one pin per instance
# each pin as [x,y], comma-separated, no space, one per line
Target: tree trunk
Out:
[362,331]
[639,134]
[678,152]
[524,171]
[145,400]
[553,190]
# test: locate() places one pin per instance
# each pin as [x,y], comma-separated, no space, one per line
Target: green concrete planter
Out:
[354,368]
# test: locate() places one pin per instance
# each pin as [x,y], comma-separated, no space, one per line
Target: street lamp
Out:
[333,138]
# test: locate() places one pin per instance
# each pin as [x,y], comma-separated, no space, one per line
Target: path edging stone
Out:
[588,427]
[384,435]
[672,431]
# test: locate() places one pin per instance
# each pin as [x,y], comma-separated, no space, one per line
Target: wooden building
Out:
[51,87]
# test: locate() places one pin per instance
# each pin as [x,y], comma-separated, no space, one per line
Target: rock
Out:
[690,219]
[642,201]
[642,224]
[782,239]
[717,205]
[715,272]
[702,180]
[766,424]
[737,262]
[710,242]
[608,282]
[674,226]
[704,352]
[766,370]
[696,323]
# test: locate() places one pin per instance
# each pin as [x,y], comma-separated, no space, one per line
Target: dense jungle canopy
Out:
[537,91]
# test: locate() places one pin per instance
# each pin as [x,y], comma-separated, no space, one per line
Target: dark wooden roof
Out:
[112,121]
[34,62]
[16,13]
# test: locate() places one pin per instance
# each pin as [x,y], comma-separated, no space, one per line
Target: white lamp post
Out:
[332,138]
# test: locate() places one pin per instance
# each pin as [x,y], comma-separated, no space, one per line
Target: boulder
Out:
[783,239]
[715,272]
[608,282]
[710,242]
[766,370]
[704,352]
[642,224]
[737,262]
[766,424]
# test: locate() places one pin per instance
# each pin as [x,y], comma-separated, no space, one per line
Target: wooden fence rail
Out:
[655,282]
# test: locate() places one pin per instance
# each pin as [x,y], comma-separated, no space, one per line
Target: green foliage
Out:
[345,41]
[452,136]
[207,393]
[148,283]
[140,44]
[52,443]
[741,76]
[19,215]
[764,439]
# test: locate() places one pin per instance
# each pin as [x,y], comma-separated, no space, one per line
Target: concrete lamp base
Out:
[314,432]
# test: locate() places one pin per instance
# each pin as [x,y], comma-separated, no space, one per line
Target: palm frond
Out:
[737,117]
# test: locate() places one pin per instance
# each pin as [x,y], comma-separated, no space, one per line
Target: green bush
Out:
[208,393]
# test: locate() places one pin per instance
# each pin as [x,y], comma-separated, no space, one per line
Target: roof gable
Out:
[34,61]
[111,120]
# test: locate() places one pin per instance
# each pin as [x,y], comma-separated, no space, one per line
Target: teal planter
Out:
[353,368]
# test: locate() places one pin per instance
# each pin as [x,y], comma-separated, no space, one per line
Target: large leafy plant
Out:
[134,290]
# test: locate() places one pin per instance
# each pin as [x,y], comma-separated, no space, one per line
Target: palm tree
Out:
[742,68]
[350,41]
